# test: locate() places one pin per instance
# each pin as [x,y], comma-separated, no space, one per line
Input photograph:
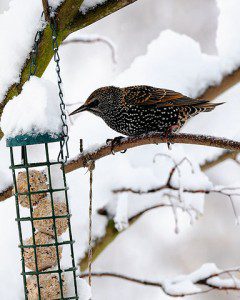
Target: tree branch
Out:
[214,281]
[228,82]
[46,10]
[7,193]
[112,232]
[69,19]
[130,142]
[154,138]
[91,40]
[220,158]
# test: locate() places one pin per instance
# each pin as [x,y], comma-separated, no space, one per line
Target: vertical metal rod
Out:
[18,222]
[90,227]
[54,220]
[69,225]
[25,159]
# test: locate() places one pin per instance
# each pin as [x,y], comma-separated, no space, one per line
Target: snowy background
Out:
[178,44]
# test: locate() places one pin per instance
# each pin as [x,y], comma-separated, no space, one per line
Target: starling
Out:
[143,109]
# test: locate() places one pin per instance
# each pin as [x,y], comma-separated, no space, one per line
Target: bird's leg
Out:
[115,142]
[169,132]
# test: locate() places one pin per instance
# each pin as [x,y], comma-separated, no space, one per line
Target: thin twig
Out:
[226,154]
[152,138]
[202,282]
[91,40]
[83,159]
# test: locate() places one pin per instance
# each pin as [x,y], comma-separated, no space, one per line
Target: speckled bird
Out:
[136,110]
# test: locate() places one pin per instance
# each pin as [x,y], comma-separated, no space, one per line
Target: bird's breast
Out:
[139,119]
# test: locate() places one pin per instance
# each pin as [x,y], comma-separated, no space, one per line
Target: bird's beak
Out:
[80,109]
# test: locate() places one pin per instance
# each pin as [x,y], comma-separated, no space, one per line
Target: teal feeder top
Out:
[33,139]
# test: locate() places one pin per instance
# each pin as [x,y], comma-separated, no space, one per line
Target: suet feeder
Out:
[47,216]
[41,204]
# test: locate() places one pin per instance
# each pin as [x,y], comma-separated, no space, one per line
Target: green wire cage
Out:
[41,282]
[42,207]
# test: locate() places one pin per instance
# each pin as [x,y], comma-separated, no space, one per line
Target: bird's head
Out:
[100,101]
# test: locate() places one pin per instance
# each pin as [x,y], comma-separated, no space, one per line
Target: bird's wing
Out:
[147,95]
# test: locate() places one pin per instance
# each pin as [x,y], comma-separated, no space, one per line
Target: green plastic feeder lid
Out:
[33,139]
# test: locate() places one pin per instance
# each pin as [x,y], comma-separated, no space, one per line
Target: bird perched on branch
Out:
[143,109]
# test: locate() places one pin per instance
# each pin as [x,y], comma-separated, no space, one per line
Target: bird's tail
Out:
[208,106]
[201,106]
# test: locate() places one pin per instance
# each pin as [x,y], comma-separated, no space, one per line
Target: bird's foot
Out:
[168,134]
[115,142]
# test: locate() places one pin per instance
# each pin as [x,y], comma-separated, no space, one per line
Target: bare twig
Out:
[228,81]
[230,192]
[205,283]
[91,40]
[69,19]
[7,193]
[226,154]
[111,231]
[127,143]
[153,138]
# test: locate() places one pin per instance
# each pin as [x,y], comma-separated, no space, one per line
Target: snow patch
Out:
[227,40]
[167,58]
[36,110]
[90,4]
[18,27]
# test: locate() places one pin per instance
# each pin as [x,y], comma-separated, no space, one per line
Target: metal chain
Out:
[91,167]
[61,157]
[90,228]
[34,52]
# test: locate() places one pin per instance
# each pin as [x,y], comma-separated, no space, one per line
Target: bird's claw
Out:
[115,142]
[169,135]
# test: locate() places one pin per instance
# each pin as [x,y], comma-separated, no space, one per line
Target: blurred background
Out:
[150,248]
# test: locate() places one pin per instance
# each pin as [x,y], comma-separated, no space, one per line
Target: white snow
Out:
[121,216]
[55,3]
[172,61]
[181,288]
[227,35]
[18,27]
[90,4]
[84,290]
[232,282]
[35,110]
[176,54]
[185,284]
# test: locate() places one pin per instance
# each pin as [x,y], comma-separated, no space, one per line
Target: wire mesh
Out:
[31,219]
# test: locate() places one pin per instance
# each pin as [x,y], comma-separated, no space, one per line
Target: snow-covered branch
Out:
[228,81]
[226,154]
[207,278]
[69,20]
[154,138]
[87,156]
[172,196]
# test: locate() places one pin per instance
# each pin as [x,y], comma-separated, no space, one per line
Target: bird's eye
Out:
[95,103]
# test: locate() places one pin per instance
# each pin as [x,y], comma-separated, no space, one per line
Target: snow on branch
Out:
[232,192]
[69,20]
[153,138]
[207,278]
[83,159]
[226,154]
[173,194]
[227,82]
